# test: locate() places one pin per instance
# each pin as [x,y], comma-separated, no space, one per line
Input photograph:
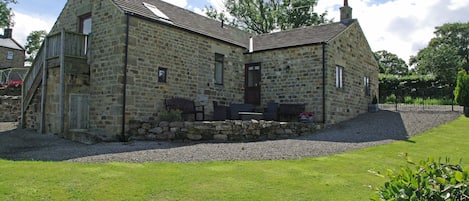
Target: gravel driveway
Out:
[367,130]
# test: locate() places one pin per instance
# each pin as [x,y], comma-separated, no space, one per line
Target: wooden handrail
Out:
[75,45]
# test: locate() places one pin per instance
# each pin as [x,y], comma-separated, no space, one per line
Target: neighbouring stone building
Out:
[108,63]
[12,54]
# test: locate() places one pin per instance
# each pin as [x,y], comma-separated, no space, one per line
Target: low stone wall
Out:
[223,131]
[10,108]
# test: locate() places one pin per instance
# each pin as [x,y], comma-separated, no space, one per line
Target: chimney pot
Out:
[8,33]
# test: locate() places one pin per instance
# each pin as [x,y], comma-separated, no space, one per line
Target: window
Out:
[366,82]
[162,74]
[85,24]
[9,55]
[156,11]
[339,77]
[219,60]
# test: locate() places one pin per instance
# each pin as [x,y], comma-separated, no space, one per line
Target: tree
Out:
[265,16]
[390,63]
[446,54]
[6,14]
[33,44]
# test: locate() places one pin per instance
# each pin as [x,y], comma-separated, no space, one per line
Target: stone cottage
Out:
[12,54]
[110,62]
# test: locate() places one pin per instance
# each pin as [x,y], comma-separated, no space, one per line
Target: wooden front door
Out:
[252,84]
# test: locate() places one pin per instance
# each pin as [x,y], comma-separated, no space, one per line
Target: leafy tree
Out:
[265,16]
[33,44]
[6,14]
[390,63]
[446,54]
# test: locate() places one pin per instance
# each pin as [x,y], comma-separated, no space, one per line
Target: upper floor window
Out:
[219,60]
[339,77]
[366,82]
[9,55]
[85,24]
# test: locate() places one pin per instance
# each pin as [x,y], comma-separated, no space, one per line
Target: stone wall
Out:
[221,131]
[351,51]
[190,62]
[10,107]
[292,75]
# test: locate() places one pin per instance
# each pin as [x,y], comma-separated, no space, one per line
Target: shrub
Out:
[461,93]
[391,98]
[430,180]
[408,100]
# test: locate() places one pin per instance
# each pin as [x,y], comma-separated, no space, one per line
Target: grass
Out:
[340,177]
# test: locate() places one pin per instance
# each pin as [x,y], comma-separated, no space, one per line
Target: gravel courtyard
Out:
[367,130]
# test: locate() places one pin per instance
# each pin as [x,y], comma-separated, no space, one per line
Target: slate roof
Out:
[187,20]
[10,43]
[191,21]
[297,37]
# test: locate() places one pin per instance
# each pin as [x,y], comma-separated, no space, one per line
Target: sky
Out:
[402,27]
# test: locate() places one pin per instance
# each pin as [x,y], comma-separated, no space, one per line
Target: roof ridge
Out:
[299,28]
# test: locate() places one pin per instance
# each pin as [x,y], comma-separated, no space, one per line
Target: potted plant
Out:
[461,92]
[373,107]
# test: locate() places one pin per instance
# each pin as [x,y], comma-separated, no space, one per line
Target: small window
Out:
[10,55]
[162,74]
[219,60]
[339,77]
[366,82]
[85,24]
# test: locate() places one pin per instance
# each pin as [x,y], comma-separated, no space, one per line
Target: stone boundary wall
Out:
[10,108]
[222,131]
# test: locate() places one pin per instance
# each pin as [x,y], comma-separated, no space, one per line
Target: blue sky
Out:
[399,26]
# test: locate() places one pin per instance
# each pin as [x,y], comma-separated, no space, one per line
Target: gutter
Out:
[122,137]
[324,76]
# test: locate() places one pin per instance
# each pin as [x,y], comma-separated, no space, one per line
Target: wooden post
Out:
[61,82]
[44,86]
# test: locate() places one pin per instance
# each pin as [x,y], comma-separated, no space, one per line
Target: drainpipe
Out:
[324,76]
[124,88]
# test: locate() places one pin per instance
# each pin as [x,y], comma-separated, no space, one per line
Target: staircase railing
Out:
[75,45]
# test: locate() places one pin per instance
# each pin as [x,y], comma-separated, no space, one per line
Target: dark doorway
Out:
[252,84]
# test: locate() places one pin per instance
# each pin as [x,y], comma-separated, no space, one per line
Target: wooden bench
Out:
[290,110]
[236,108]
[185,106]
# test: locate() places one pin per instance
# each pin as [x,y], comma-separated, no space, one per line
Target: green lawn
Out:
[340,177]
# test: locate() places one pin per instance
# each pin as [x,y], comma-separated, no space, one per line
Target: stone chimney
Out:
[7,33]
[345,12]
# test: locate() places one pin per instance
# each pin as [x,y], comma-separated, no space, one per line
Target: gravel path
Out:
[364,131]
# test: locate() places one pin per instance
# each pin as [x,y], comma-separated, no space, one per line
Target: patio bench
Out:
[290,110]
[186,106]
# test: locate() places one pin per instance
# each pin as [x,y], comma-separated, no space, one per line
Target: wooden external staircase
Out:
[56,50]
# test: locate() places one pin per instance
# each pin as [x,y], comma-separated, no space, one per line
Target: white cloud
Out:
[180,3]
[25,24]
[400,26]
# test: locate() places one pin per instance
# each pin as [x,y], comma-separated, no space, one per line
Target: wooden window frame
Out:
[219,69]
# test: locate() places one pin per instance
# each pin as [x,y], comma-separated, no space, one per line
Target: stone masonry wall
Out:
[16,62]
[189,59]
[108,39]
[351,51]
[221,131]
[10,107]
[33,111]
[292,75]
